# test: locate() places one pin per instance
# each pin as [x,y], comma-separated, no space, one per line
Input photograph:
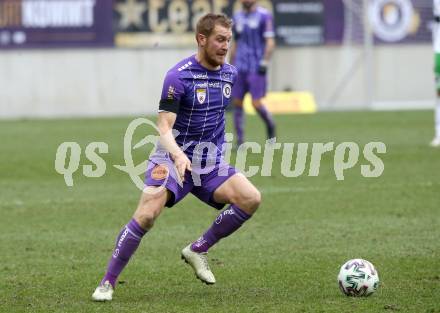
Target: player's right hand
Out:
[182,164]
[262,67]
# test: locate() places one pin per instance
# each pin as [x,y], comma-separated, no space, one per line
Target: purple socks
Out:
[225,224]
[267,118]
[131,235]
[126,244]
[238,123]
[264,114]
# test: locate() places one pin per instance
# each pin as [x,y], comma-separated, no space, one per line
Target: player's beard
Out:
[212,61]
[247,5]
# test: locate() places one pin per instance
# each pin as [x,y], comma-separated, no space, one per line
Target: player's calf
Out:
[128,240]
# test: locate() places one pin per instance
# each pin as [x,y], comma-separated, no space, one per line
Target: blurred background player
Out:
[250,52]
[436,42]
[195,95]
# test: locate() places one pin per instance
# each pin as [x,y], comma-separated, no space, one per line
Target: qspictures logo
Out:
[346,157]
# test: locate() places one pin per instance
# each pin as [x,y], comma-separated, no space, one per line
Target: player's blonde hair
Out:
[206,23]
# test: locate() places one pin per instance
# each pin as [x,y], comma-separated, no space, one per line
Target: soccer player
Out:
[250,53]
[436,42]
[188,158]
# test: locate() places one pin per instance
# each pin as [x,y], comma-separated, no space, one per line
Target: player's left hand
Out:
[182,164]
[262,67]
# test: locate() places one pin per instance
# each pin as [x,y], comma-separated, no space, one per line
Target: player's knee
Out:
[256,103]
[256,200]
[149,208]
[147,212]
[250,202]
[145,218]
[238,103]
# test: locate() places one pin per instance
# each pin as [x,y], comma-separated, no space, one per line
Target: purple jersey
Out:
[202,97]
[250,32]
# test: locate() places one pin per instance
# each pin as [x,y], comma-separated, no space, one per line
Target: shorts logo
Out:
[159,172]
[201,95]
[227,90]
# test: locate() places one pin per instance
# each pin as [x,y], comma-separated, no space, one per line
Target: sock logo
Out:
[200,242]
[116,253]
[219,218]
[124,234]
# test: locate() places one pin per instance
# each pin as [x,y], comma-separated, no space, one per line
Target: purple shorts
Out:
[254,83]
[201,183]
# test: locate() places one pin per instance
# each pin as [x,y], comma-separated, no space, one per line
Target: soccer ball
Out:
[358,278]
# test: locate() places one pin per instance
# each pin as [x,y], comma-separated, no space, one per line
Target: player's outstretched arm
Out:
[165,124]
[270,47]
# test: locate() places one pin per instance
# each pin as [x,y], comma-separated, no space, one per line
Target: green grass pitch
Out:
[56,240]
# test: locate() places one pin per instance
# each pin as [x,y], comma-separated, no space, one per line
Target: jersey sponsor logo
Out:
[159,172]
[200,76]
[239,26]
[215,85]
[227,90]
[201,95]
[227,77]
[202,85]
[170,93]
[253,22]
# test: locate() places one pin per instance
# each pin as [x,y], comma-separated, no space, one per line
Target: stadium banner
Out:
[55,23]
[285,102]
[171,23]
[392,21]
